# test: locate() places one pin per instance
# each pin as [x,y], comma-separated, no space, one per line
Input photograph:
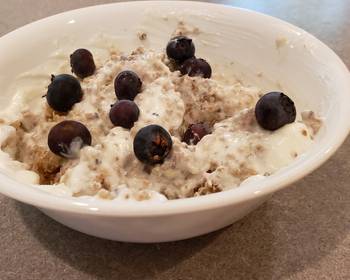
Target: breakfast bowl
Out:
[257,49]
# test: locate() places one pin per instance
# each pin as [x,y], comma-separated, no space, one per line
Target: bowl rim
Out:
[41,199]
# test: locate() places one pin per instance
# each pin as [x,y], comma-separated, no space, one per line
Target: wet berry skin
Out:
[63,92]
[82,63]
[274,110]
[196,67]
[180,48]
[194,133]
[152,144]
[124,113]
[67,138]
[127,85]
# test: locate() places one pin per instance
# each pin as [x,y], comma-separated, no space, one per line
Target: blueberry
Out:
[67,138]
[82,63]
[127,85]
[180,48]
[63,92]
[196,67]
[194,133]
[152,144]
[274,110]
[124,113]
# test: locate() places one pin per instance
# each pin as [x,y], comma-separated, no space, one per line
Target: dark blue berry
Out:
[127,85]
[124,113]
[82,63]
[63,92]
[195,132]
[152,144]
[196,67]
[180,48]
[274,110]
[67,138]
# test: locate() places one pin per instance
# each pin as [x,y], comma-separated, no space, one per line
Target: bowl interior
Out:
[258,49]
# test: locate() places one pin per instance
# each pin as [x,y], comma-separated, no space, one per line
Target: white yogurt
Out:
[236,150]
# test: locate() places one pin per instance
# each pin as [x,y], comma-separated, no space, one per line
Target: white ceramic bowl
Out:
[304,67]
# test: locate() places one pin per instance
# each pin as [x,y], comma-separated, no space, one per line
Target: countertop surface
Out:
[303,232]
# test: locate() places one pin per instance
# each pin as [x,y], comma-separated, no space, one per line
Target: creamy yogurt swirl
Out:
[237,148]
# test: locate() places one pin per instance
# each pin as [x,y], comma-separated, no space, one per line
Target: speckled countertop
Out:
[303,232]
